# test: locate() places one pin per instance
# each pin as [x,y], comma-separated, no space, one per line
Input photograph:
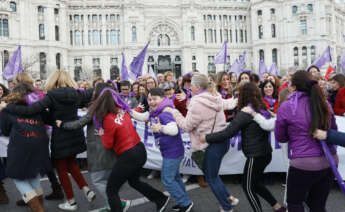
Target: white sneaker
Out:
[234,202]
[90,196]
[127,204]
[222,210]
[68,207]
[185,178]
[151,175]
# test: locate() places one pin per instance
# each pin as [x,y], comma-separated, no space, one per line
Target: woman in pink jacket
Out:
[206,114]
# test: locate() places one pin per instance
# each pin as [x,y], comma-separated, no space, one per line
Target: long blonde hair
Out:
[205,84]
[23,77]
[59,79]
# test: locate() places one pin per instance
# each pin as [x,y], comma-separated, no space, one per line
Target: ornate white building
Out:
[86,37]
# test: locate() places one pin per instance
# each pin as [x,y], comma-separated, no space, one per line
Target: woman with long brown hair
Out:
[111,114]
[223,87]
[310,176]
[255,146]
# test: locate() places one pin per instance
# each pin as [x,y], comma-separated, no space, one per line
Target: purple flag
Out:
[124,71]
[236,68]
[262,68]
[325,57]
[274,69]
[14,66]
[138,62]
[242,60]
[152,73]
[221,55]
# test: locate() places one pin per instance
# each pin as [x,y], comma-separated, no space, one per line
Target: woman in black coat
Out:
[62,102]
[28,148]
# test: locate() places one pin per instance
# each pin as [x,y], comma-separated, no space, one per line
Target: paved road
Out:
[202,197]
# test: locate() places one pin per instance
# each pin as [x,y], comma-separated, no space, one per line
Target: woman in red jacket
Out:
[112,115]
[339,106]
[270,95]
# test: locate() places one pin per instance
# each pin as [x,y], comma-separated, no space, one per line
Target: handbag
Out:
[199,156]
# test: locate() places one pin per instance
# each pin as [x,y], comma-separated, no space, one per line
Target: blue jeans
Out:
[213,159]
[172,181]
[27,185]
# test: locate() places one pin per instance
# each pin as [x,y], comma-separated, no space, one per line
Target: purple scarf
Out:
[31,98]
[271,101]
[224,93]
[293,100]
[188,92]
[165,103]
[113,84]
[173,97]
[118,101]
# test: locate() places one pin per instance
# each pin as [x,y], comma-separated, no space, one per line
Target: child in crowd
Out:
[168,136]
[111,113]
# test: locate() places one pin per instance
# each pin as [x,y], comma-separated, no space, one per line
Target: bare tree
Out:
[27,65]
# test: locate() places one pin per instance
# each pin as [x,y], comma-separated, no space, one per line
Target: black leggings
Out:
[252,182]
[127,168]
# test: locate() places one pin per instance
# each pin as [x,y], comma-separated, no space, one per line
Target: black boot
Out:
[56,193]
[3,195]
[21,203]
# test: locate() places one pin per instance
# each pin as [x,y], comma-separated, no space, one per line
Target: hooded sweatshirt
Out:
[204,111]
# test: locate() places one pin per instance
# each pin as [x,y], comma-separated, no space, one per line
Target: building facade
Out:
[86,37]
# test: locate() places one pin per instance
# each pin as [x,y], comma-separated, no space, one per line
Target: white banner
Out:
[232,163]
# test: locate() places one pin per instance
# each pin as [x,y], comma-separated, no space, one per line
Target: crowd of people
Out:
[299,107]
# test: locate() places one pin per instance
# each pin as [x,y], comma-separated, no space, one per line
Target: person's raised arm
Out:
[34,108]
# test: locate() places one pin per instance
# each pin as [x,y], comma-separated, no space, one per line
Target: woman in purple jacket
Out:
[310,176]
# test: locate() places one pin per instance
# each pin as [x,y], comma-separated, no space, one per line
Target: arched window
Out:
[43,68]
[273,29]
[134,34]
[192,32]
[57,36]
[13,6]
[312,53]
[275,55]
[58,61]
[294,9]
[304,56]
[41,32]
[261,31]
[262,54]
[295,56]
[6,57]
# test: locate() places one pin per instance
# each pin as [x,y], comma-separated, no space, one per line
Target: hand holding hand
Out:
[156,127]
[181,96]
[203,139]
[99,132]
[3,105]
[248,110]
[320,134]
[58,123]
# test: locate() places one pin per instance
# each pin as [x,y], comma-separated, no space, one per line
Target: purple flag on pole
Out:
[138,62]
[124,71]
[14,66]
[236,68]
[262,68]
[152,73]
[325,57]
[221,55]
[274,69]
[242,60]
